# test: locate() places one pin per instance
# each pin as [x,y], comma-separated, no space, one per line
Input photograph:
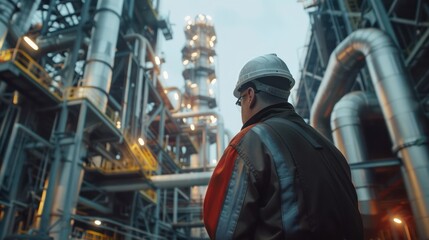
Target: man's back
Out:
[278,178]
[319,175]
[288,182]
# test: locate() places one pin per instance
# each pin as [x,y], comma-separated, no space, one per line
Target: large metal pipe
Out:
[401,109]
[162,181]
[58,42]
[96,206]
[21,21]
[145,50]
[143,44]
[7,8]
[349,138]
[101,53]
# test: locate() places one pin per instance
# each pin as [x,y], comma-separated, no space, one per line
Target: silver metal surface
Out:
[163,181]
[347,132]
[101,52]
[401,109]
[7,8]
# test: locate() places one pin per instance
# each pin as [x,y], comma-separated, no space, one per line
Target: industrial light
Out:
[118,156]
[194,54]
[97,222]
[192,126]
[15,98]
[165,74]
[176,96]
[157,60]
[30,42]
[397,220]
[195,37]
[189,106]
[191,42]
[213,81]
[211,44]
[211,59]
[141,141]
[118,124]
[185,62]
[213,119]
[165,91]
[211,92]
[213,38]
[194,85]
[188,27]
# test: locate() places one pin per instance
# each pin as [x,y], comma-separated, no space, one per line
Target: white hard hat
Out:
[266,66]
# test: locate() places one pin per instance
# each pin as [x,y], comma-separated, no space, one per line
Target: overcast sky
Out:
[245,29]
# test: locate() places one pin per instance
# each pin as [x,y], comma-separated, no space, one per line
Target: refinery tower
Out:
[92,145]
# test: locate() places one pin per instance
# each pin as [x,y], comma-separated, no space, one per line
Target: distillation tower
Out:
[91,146]
[198,56]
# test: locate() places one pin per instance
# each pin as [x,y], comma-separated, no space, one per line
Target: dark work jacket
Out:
[280,179]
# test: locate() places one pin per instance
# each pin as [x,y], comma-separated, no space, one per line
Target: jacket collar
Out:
[279,109]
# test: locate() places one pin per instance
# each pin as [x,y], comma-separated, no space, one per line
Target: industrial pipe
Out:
[142,85]
[96,206]
[21,21]
[401,109]
[58,42]
[162,181]
[143,44]
[348,137]
[101,53]
[7,8]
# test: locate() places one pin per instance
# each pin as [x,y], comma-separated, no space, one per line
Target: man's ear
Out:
[252,98]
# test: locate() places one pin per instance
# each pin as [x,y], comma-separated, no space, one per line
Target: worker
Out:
[278,178]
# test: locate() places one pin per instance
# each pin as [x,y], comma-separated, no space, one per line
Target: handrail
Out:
[77,93]
[142,160]
[28,65]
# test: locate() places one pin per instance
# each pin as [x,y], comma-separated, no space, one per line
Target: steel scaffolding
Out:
[385,191]
[90,147]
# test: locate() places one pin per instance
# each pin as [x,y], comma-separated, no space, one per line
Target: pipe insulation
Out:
[101,52]
[346,124]
[401,109]
[7,8]
[21,21]
[162,181]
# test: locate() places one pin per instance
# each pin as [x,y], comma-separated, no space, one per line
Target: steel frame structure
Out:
[407,24]
[58,148]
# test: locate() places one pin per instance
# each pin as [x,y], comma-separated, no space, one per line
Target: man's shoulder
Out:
[237,138]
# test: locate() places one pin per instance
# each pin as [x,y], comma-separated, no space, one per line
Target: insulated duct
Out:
[162,181]
[7,8]
[101,53]
[349,138]
[21,22]
[145,50]
[401,109]
[58,42]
